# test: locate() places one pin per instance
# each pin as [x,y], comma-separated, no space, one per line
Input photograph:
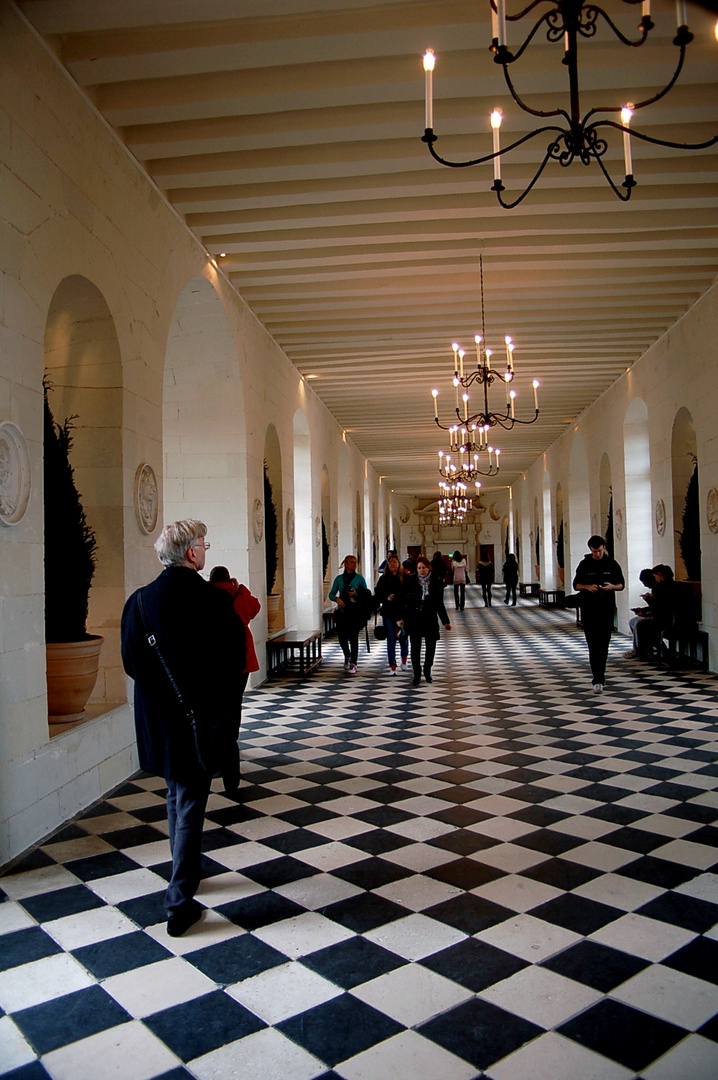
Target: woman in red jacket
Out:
[246,606]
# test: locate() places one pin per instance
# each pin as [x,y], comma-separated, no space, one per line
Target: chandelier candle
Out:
[429,61]
[626,114]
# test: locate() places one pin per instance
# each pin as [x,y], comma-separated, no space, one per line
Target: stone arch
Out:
[605,491]
[548,551]
[84,366]
[560,542]
[579,506]
[345,508]
[357,545]
[638,514]
[326,513]
[684,460]
[203,426]
[304,538]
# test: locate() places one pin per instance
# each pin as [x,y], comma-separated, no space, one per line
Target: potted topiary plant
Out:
[73,655]
[271,551]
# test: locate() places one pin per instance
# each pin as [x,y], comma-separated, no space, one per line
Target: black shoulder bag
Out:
[203,751]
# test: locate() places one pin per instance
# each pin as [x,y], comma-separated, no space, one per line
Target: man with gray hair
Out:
[181,643]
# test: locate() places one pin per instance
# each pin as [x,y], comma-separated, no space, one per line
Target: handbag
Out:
[203,744]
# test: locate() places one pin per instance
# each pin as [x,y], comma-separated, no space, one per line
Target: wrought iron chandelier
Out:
[453,502]
[469,437]
[579,137]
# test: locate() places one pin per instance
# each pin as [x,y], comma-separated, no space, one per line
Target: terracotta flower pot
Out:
[72,668]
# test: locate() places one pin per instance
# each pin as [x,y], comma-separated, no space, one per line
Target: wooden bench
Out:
[529,588]
[329,622]
[677,647]
[551,597]
[294,653]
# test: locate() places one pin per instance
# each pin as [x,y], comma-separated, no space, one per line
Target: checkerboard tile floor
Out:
[499,875]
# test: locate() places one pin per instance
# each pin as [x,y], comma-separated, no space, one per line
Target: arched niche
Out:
[605,489]
[638,514]
[579,510]
[273,466]
[304,539]
[203,427]
[560,544]
[357,546]
[536,542]
[84,367]
[686,497]
[327,534]
[345,510]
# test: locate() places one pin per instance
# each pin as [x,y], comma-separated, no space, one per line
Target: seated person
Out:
[642,625]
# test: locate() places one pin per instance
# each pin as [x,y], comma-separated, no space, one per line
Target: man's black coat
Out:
[202,641]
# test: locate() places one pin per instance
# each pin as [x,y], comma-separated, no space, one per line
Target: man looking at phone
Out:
[598,578]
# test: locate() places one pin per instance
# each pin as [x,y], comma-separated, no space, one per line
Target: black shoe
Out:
[417,680]
[181,920]
[428,678]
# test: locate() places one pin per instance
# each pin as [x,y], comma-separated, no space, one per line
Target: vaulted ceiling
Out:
[287,133]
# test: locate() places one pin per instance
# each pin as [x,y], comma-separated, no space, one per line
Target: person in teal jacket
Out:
[352,597]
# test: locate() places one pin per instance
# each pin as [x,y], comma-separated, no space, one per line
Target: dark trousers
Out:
[230,764]
[391,636]
[429,654]
[348,634]
[186,804]
[510,591]
[460,595]
[486,593]
[598,636]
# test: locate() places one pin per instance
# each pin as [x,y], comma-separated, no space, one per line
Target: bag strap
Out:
[152,642]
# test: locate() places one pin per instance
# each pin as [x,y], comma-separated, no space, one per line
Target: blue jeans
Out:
[186,804]
[391,636]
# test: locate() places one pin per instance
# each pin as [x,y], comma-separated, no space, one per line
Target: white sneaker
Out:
[405,666]
[352,669]
[392,671]
[346,664]
[598,688]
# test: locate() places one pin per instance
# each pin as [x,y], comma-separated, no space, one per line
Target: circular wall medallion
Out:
[290,526]
[712,510]
[257,521]
[404,513]
[335,535]
[495,511]
[146,498]
[318,532]
[660,517]
[15,475]
[619,524]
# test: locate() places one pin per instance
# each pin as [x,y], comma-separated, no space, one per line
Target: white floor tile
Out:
[674,996]
[331,856]
[33,882]
[703,887]
[421,828]
[127,1052]
[552,1057]
[418,892]
[303,934]
[319,891]
[128,885]
[265,1055]
[619,892]
[13,917]
[644,937]
[517,893]
[530,938]
[407,1056]
[223,888]
[210,930]
[511,858]
[411,994]
[694,1058]
[420,857]
[340,828]
[154,987]
[415,936]
[541,996]
[283,991]
[41,980]
[14,1050]
[82,847]
[687,853]
[600,856]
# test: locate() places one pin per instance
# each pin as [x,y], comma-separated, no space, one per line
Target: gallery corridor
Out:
[499,875]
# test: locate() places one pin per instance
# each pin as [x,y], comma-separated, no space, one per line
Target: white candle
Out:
[507,339]
[501,19]
[429,61]
[466,407]
[477,339]
[681,17]
[626,114]
[646,7]
[494,24]
[435,394]
[512,395]
[536,386]
[455,347]
[496,118]
[461,363]
[487,358]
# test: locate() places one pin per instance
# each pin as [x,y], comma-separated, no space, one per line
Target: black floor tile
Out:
[549,841]
[339,1029]
[260,910]
[577,913]
[479,1032]
[364,912]
[98,866]
[680,910]
[281,871]
[145,910]
[653,871]
[371,873]
[698,958]
[115,955]
[133,836]
[474,964]
[464,873]
[561,874]
[196,1027]
[23,946]
[69,1018]
[32,1071]
[55,905]
[596,965]
[292,841]
[377,842]
[351,962]
[469,913]
[236,959]
[463,842]
[621,1033]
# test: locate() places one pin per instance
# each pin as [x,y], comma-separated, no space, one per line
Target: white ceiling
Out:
[287,135]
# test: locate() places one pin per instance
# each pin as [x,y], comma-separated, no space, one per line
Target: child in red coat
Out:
[246,607]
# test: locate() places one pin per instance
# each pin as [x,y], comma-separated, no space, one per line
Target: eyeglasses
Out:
[203,544]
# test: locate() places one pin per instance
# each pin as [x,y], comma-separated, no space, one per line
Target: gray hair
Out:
[172,543]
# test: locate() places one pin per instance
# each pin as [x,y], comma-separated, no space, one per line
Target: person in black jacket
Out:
[202,642]
[510,571]
[389,594]
[598,579]
[423,610]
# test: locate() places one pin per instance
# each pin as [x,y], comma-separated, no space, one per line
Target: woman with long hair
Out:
[424,609]
[389,593]
[459,569]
